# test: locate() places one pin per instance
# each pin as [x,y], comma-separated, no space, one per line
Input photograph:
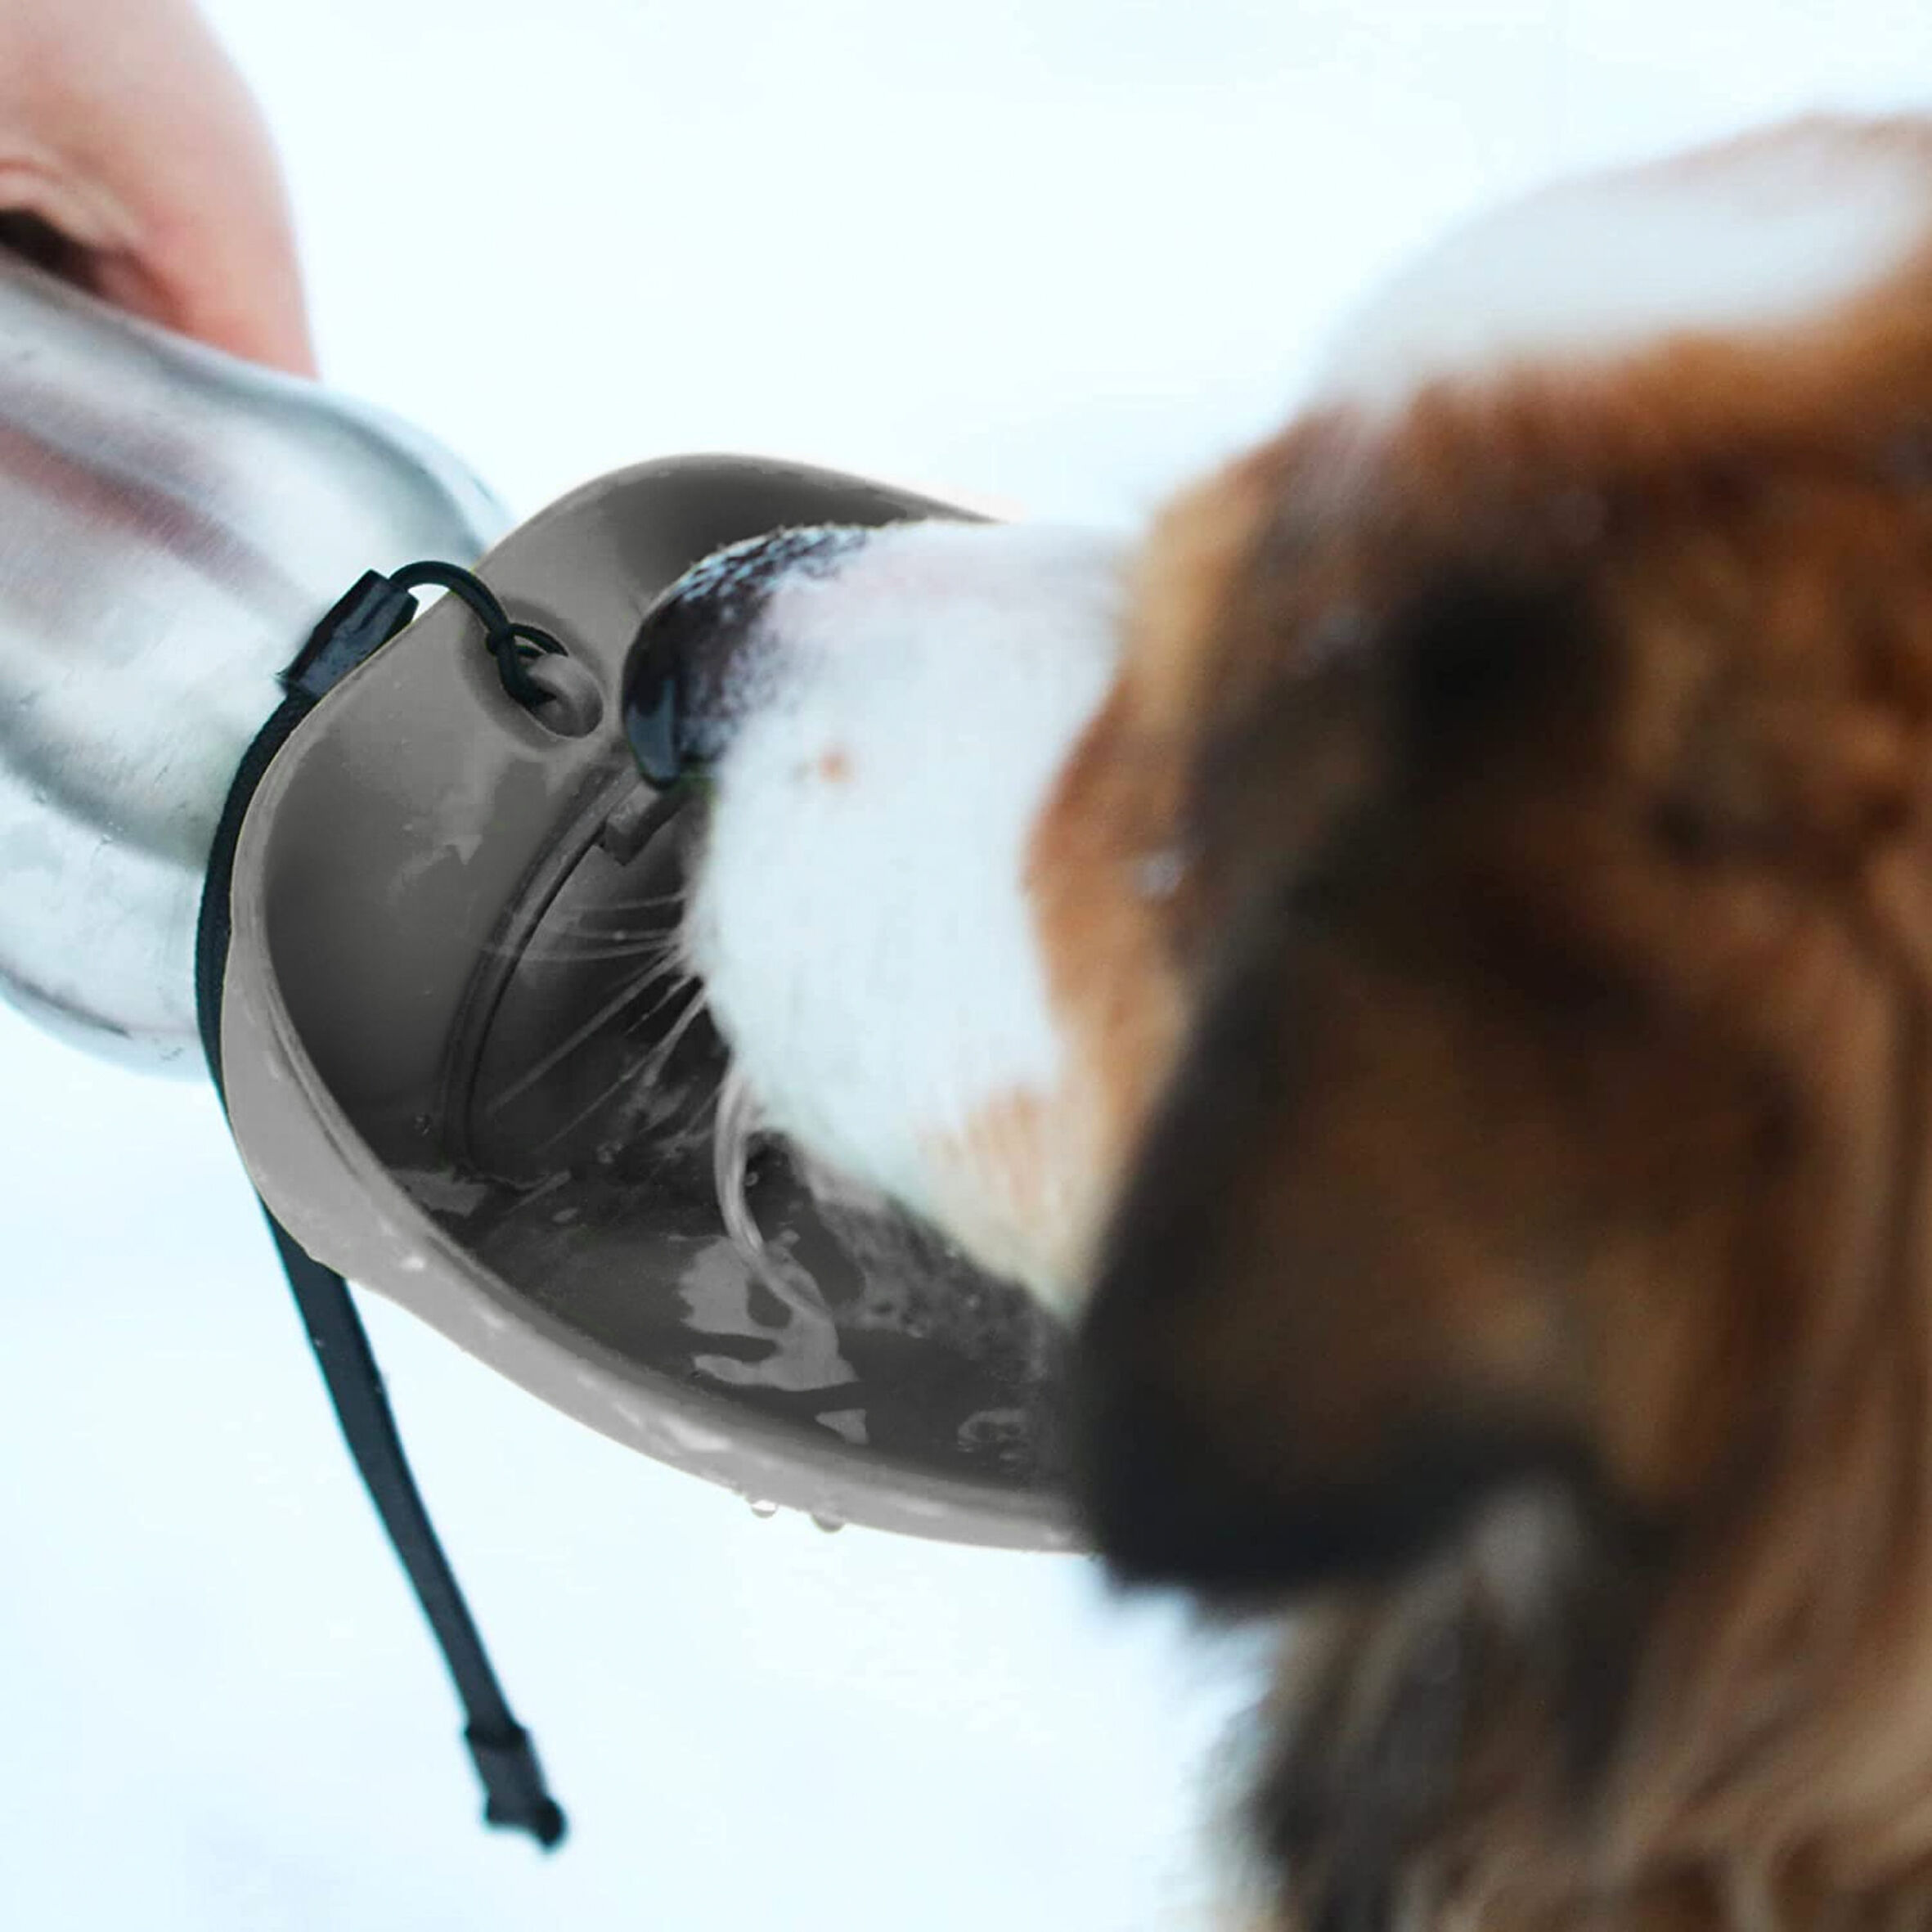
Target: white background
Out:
[1053,250]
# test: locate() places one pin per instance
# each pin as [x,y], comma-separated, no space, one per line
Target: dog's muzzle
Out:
[881,717]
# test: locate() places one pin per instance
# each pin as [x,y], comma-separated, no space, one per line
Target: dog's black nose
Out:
[684,681]
[654,703]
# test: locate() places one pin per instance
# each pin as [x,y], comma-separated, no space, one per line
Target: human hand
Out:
[134,161]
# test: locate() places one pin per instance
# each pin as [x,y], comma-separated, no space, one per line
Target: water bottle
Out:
[173,521]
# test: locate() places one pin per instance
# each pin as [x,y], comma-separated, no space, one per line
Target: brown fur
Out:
[1014,1155]
[1515,1124]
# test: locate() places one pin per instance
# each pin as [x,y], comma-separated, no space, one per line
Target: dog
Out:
[1423,957]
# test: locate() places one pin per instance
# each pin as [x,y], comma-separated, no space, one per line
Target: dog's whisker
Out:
[625,996]
[648,902]
[594,949]
[641,1073]
[735,1128]
[564,941]
[659,1056]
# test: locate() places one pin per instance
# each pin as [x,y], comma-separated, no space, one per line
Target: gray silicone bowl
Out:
[455,1070]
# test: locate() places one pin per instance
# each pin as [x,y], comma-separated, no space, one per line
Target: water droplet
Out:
[830,1525]
[764,1510]
[422,1124]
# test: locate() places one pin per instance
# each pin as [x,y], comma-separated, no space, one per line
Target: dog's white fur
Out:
[1771,234]
[861,920]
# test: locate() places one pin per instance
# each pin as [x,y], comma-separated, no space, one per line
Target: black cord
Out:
[516,1795]
[511,644]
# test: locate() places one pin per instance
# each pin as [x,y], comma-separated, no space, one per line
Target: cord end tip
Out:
[517,1797]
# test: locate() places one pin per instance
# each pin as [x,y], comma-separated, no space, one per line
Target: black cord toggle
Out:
[512,645]
[364,618]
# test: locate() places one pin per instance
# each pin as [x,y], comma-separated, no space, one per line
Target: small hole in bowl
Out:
[576,707]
